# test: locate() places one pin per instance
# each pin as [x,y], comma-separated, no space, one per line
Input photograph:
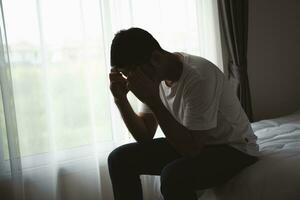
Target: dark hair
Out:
[132,47]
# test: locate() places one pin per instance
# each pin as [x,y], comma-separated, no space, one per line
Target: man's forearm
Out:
[178,135]
[133,122]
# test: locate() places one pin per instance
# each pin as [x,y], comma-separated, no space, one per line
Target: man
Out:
[208,138]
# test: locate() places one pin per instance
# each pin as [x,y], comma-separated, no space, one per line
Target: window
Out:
[59,58]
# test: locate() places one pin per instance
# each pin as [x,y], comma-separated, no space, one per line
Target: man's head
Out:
[131,48]
[136,47]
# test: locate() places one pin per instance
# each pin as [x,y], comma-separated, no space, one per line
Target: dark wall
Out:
[274,57]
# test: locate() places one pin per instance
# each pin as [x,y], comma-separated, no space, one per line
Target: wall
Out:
[274,57]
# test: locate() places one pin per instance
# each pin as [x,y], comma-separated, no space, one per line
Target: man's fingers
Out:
[131,77]
[115,73]
[114,80]
[118,81]
[115,76]
[114,69]
[135,75]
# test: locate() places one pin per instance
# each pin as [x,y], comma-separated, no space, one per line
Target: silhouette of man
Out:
[208,137]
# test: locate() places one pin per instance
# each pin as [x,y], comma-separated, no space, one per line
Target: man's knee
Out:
[169,179]
[121,155]
[175,185]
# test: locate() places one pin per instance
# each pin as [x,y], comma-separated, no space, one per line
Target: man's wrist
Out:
[120,100]
[155,104]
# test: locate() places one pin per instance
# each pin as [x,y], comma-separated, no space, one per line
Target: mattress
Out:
[275,176]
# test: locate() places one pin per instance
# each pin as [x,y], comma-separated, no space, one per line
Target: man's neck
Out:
[175,76]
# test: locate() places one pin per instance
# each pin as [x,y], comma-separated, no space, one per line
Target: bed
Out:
[275,176]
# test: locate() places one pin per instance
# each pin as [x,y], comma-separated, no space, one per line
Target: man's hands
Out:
[118,85]
[145,89]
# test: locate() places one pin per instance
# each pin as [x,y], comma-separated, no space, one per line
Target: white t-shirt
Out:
[203,99]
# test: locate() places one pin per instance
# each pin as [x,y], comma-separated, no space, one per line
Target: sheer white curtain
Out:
[57,120]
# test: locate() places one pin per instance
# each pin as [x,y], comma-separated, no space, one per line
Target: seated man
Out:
[208,137]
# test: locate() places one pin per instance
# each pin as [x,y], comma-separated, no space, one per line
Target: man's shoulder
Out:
[200,65]
[194,59]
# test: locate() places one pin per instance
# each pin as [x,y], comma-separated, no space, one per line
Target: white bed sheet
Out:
[275,176]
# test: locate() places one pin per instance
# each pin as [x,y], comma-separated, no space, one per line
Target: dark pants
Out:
[180,176]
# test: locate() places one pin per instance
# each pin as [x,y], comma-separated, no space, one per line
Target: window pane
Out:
[59,74]
[3,136]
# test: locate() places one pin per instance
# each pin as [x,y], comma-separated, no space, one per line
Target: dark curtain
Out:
[234,28]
